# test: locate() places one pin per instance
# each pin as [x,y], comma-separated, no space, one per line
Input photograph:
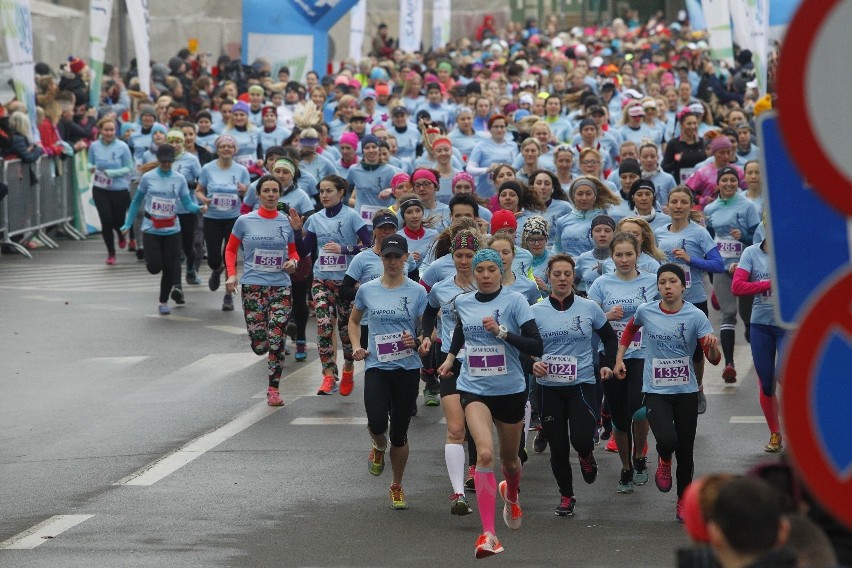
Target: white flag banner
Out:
[357,28]
[718,18]
[751,31]
[100,17]
[441,15]
[17,26]
[410,25]
[137,13]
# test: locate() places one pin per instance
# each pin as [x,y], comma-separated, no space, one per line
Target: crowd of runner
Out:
[533,223]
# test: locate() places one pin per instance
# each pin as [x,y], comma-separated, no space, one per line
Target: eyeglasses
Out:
[535,240]
[591,162]
[226,147]
[419,184]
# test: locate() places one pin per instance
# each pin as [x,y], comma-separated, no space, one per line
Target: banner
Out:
[441,17]
[357,27]
[410,25]
[296,52]
[751,31]
[100,17]
[17,26]
[718,18]
[696,16]
[137,13]
[86,218]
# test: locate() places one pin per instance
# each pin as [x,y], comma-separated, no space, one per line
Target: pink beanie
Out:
[721,142]
[349,139]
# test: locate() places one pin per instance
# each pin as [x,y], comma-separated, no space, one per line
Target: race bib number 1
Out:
[486,361]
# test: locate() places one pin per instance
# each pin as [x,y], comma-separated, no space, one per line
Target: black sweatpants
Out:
[216,235]
[674,419]
[300,311]
[567,415]
[112,208]
[162,254]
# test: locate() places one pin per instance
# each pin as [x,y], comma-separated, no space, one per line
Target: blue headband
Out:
[489,255]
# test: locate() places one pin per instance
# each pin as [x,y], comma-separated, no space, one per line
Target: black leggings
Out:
[567,414]
[216,235]
[162,254]
[674,419]
[390,393]
[188,222]
[300,307]
[624,397]
[112,208]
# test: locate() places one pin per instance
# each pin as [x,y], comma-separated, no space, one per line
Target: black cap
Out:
[400,110]
[394,244]
[385,219]
[629,165]
[165,153]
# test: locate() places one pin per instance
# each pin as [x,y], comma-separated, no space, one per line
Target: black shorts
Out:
[508,408]
[448,385]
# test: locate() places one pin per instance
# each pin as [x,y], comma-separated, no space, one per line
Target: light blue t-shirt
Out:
[294,198]
[526,287]
[555,211]
[574,232]
[669,341]
[368,183]
[439,269]
[189,167]
[486,153]
[341,229]
[756,263]
[421,245]
[247,142]
[609,291]
[567,338]
[491,366]
[220,186]
[587,270]
[723,217]
[645,263]
[443,295]
[162,193]
[265,248]
[115,156]
[697,242]
[274,138]
[391,311]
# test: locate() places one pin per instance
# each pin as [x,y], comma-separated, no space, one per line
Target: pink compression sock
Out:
[769,404]
[486,497]
[513,482]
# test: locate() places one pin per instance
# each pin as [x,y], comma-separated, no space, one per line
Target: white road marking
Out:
[44,298]
[42,532]
[171,317]
[228,329]
[172,462]
[329,421]
[748,420]
[118,361]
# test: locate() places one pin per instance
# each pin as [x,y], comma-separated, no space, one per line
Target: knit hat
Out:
[513,186]
[241,106]
[603,220]
[147,109]
[158,128]
[490,255]
[674,269]
[535,226]
[720,143]
[174,135]
[76,64]
[256,89]
[165,153]
[725,171]
[413,202]
[369,139]
[503,219]
[762,105]
[630,166]
[126,127]
[348,139]
[465,239]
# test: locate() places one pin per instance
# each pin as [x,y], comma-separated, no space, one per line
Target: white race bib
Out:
[685,173]
[670,372]
[560,368]
[330,262]
[687,274]
[367,211]
[101,179]
[224,201]
[620,326]
[246,160]
[389,347]
[161,207]
[729,247]
[486,361]
[268,260]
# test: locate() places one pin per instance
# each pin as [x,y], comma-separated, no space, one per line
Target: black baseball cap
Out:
[394,244]
[385,219]
[400,110]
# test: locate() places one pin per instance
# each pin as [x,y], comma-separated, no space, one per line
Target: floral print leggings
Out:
[267,311]
[326,294]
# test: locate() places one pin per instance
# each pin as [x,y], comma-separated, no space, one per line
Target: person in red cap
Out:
[74,80]
[505,220]
[271,134]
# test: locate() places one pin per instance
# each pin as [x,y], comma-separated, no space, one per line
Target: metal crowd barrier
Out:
[35,205]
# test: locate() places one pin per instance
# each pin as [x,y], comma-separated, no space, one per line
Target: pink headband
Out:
[441,140]
[225,138]
[424,174]
[398,179]
[463,176]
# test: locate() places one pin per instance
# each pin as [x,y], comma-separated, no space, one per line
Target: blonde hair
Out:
[649,240]
[694,215]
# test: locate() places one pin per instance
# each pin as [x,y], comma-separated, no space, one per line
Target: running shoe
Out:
[164,309]
[215,279]
[565,507]
[715,302]
[729,374]
[512,514]
[774,446]
[347,383]
[228,303]
[540,442]
[625,483]
[535,421]
[301,352]
[397,497]
[122,242]
[460,506]
[523,455]
[589,468]
[663,477]
[177,295]
[140,254]
[131,245]
[273,398]
[110,259]
[192,278]
[679,511]
[611,446]
[376,461]
[606,434]
[640,470]
[487,545]
[702,402]
[470,482]
[329,385]
[431,397]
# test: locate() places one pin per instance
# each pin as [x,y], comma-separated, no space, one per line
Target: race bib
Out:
[367,211]
[162,207]
[267,260]
[767,294]
[389,347]
[685,173]
[670,372]
[330,262]
[101,179]
[486,361]
[225,201]
[246,160]
[687,275]
[729,247]
[560,368]
[620,326]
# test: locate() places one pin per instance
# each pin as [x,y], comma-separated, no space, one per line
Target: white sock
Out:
[527,418]
[454,456]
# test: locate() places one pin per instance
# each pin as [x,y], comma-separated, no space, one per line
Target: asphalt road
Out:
[132,439]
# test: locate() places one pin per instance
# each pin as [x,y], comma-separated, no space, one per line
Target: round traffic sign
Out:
[815,397]
[811,89]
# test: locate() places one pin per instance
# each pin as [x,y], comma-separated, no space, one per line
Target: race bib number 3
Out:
[266,260]
[669,372]
[330,262]
[162,207]
[389,347]
[619,327]
[225,201]
[560,368]
[486,361]
[101,179]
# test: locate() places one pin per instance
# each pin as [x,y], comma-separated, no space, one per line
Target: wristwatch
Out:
[504,331]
